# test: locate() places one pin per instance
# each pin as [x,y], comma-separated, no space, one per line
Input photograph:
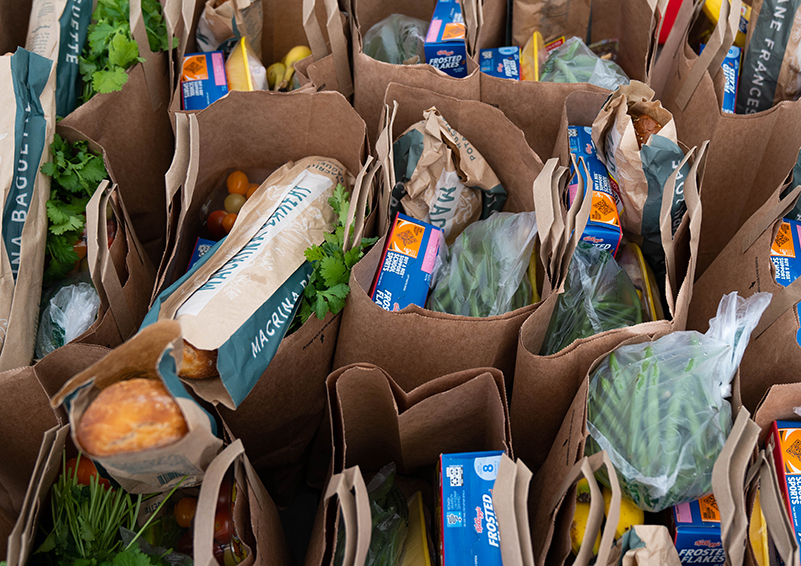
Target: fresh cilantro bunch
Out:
[75,174]
[111,49]
[328,286]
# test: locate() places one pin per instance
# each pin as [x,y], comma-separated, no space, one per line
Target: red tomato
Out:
[222,526]
[185,511]
[185,544]
[86,470]
[237,183]
[224,497]
[228,222]
[215,225]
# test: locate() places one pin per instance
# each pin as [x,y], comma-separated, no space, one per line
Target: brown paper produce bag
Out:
[221,21]
[329,67]
[154,353]
[534,107]
[14,24]
[409,423]
[371,334]
[372,77]
[539,403]
[745,266]
[28,95]
[280,417]
[254,519]
[749,155]
[645,545]
[526,543]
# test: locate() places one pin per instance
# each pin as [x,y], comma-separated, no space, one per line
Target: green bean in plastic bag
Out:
[660,408]
[598,296]
[574,62]
[396,39]
[483,272]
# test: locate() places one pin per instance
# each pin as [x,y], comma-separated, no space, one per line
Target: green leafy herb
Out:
[328,286]
[111,50]
[75,174]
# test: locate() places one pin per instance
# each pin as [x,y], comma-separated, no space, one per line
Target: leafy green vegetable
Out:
[75,174]
[328,286]
[111,49]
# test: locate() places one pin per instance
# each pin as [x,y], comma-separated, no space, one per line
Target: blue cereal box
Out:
[201,247]
[466,516]
[786,443]
[696,532]
[404,274]
[731,74]
[445,46]
[603,228]
[503,62]
[785,253]
[202,80]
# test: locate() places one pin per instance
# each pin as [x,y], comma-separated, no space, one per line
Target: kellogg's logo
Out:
[707,543]
[445,53]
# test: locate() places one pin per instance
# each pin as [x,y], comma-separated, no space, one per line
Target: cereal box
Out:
[603,228]
[468,529]
[202,79]
[404,274]
[696,532]
[502,62]
[786,440]
[786,256]
[445,46]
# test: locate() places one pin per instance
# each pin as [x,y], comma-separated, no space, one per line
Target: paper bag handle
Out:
[362,188]
[354,503]
[715,51]
[510,500]
[658,9]
[773,506]
[384,153]
[139,34]
[337,39]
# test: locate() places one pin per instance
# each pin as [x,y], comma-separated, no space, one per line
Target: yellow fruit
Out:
[583,491]
[630,514]
[295,54]
[275,74]
[579,526]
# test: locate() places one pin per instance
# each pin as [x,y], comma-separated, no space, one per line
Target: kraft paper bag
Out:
[28,95]
[14,18]
[154,353]
[329,67]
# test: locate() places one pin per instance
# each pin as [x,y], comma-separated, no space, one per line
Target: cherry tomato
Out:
[214,223]
[224,497]
[251,190]
[237,183]
[186,543]
[234,203]
[228,222]
[185,511]
[222,526]
[86,470]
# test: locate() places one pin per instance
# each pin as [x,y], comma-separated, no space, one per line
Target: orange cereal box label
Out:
[783,244]
[406,238]
[453,31]
[790,444]
[604,209]
[195,68]
[709,509]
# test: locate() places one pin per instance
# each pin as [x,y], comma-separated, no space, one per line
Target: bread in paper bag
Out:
[238,300]
[441,178]
[153,354]
[27,97]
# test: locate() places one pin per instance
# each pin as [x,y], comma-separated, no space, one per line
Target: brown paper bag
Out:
[653,546]
[525,542]
[372,77]
[255,517]
[154,353]
[14,25]
[371,334]
[749,155]
[234,18]
[329,66]
[744,265]
[28,94]
[540,403]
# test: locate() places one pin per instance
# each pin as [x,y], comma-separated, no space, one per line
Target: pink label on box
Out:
[433,31]
[431,252]
[683,513]
[219,69]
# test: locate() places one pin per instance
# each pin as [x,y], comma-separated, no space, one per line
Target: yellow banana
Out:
[578,527]
[275,74]
[630,514]
[295,54]
[583,491]
[712,10]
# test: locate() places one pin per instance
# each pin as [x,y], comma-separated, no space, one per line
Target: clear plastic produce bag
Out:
[598,296]
[660,410]
[483,272]
[70,313]
[396,39]
[574,62]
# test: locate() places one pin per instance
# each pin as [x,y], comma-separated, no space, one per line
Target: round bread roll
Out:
[198,364]
[130,416]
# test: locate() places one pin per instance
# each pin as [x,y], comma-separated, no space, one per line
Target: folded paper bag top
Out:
[240,297]
[154,353]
